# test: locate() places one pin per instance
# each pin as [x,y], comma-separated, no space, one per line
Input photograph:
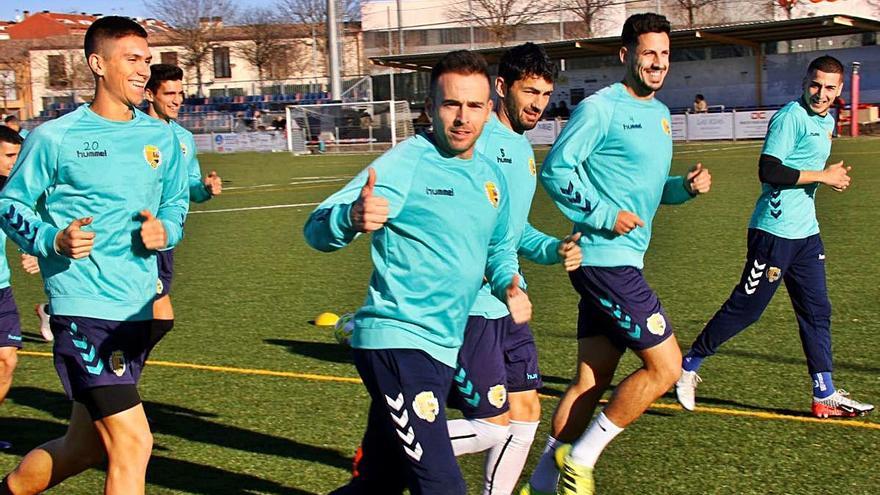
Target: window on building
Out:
[169,58]
[57,71]
[221,62]
[456,36]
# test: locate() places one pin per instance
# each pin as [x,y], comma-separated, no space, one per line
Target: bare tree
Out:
[195,25]
[315,11]
[499,17]
[692,7]
[590,12]
[267,42]
[13,66]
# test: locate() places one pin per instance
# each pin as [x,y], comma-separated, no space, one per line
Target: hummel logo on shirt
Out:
[503,158]
[439,191]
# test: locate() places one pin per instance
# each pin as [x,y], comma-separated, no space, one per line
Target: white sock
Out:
[546,474]
[586,450]
[505,460]
[474,435]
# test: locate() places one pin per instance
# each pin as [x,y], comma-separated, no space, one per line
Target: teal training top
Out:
[513,154]
[4,264]
[800,139]
[198,193]
[82,165]
[447,228]
[614,154]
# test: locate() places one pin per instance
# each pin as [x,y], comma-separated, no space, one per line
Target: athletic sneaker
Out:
[574,479]
[528,489]
[686,389]
[45,330]
[839,404]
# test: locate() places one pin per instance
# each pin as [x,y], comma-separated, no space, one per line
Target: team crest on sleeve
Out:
[492,193]
[183,148]
[665,124]
[773,274]
[532,169]
[656,324]
[159,286]
[153,156]
[426,406]
[497,395]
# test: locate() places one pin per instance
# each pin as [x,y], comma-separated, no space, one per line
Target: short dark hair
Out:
[7,135]
[526,60]
[163,72]
[826,63]
[639,24]
[459,62]
[110,27]
[10,118]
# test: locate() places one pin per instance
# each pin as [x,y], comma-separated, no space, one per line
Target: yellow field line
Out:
[228,369]
[342,379]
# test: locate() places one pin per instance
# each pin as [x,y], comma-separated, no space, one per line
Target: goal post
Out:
[347,127]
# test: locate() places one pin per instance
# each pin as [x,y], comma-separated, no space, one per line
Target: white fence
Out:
[748,124]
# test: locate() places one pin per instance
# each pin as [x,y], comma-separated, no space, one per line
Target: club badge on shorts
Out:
[656,324]
[117,363]
[497,395]
[773,274]
[426,406]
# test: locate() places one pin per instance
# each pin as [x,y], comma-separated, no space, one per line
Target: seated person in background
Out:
[700,104]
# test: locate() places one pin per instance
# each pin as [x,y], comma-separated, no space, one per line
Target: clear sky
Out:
[9,9]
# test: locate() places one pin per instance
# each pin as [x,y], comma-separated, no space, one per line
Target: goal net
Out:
[347,127]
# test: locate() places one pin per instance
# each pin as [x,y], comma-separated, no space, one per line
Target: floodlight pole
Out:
[854,101]
[333,41]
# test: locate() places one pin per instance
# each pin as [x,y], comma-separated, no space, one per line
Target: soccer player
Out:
[13,123]
[497,377]
[608,172]
[784,242]
[109,191]
[10,325]
[164,92]
[438,212]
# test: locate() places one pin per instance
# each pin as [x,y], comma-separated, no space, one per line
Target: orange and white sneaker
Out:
[839,405]
[45,330]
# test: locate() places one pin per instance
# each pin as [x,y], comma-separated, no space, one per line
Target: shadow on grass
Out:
[775,358]
[189,477]
[324,351]
[173,474]
[193,426]
[718,402]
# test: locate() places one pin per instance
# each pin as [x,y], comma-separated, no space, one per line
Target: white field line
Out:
[726,148]
[268,207]
[305,180]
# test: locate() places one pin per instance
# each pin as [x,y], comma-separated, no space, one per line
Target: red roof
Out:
[44,24]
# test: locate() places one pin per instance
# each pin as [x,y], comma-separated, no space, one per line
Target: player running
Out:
[109,191]
[784,242]
[10,324]
[438,212]
[164,92]
[608,172]
[497,377]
